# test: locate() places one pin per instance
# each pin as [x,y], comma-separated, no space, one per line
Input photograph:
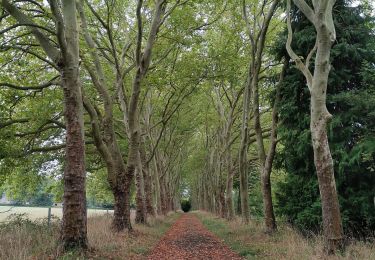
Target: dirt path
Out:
[189,239]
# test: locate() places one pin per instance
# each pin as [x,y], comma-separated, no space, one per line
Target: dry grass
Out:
[251,242]
[24,239]
[109,245]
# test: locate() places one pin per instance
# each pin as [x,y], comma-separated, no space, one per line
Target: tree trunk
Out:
[324,167]
[332,226]
[223,208]
[132,164]
[163,198]
[239,212]
[157,187]
[244,189]
[121,206]
[147,182]
[140,195]
[321,17]
[206,197]
[229,197]
[74,226]
[269,216]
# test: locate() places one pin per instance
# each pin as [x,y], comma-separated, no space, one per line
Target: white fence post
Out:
[49,216]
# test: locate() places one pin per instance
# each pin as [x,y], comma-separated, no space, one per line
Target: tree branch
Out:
[52,82]
[14,121]
[52,52]
[300,65]
[306,10]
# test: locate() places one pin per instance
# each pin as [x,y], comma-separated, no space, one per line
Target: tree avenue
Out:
[145,107]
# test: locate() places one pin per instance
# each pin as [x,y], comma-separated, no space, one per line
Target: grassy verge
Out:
[24,239]
[250,242]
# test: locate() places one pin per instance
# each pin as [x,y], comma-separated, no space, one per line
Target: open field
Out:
[25,240]
[37,213]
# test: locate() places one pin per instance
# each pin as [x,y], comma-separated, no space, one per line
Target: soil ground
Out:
[189,239]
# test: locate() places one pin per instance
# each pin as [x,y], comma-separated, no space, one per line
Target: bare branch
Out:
[140,33]
[59,21]
[51,148]
[52,82]
[27,50]
[300,65]
[311,53]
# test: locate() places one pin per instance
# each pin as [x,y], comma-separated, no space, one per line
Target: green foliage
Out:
[185,205]
[98,191]
[351,100]
[255,194]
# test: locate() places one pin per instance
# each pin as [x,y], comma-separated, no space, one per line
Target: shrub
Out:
[185,205]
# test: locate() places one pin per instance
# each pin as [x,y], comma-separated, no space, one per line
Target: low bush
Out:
[185,205]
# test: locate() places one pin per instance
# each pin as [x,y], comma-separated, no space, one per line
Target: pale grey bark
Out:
[321,17]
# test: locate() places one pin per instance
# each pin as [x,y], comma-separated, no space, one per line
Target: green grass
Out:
[220,228]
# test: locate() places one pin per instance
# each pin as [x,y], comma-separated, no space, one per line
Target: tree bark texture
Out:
[140,193]
[147,182]
[66,59]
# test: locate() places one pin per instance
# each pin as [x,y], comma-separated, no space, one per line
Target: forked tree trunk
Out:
[255,68]
[103,131]
[321,17]
[143,59]
[267,162]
